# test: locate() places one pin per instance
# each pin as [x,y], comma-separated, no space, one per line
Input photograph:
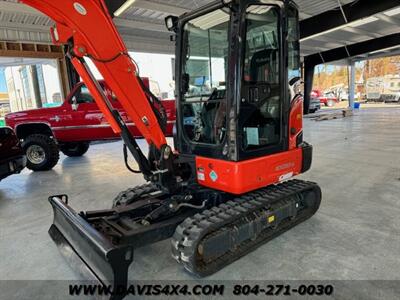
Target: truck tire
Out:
[74,149]
[330,103]
[41,152]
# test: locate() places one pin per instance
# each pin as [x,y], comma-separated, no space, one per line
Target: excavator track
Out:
[131,195]
[208,241]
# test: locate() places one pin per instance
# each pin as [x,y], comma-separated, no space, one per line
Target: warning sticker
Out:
[252,135]
[213,176]
[201,176]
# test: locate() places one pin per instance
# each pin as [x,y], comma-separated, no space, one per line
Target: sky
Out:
[3,87]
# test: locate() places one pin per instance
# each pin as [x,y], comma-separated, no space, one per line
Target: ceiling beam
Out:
[140,44]
[353,50]
[16,7]
[384,54]
[390,20]
[334,18]
[335,42]
[303,15]
[312,49]
[164,8]
[113,5]
[25,36]
[359,31]
[119,22]
[24,27]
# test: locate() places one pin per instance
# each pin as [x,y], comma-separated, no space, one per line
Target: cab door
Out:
[84,119]
[261,126]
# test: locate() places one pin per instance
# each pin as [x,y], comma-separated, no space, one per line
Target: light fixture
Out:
[392,12]
[356,23]
[123,7]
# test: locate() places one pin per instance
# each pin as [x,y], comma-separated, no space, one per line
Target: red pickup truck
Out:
[70,127]
[327,99]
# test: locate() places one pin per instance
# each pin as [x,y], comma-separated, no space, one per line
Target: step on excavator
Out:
[225,187]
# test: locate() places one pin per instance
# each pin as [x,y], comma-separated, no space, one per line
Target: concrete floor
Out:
[355,234]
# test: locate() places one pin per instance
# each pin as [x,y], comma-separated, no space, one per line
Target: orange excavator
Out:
[223,188]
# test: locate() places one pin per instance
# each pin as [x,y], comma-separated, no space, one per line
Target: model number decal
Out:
[285,166]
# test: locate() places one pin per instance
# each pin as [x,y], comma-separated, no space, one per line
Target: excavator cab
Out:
[225,189]
[233,65]
[237,68]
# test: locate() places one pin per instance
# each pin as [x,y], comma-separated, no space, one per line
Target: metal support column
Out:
[308,84]
[73,76]
[36,86]
[352,82]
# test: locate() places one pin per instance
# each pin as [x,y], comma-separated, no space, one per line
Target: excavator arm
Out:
[87,29]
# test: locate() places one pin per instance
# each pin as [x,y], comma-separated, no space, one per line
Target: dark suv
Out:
[12,158]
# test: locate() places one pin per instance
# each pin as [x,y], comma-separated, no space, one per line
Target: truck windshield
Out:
[205,53]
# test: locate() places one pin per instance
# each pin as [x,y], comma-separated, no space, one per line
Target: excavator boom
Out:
[86,26]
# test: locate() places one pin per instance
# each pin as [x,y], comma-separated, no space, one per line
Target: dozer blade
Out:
[86,249]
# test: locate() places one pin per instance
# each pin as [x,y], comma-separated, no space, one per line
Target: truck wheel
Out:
[330,103]
[41,152]
[74,149]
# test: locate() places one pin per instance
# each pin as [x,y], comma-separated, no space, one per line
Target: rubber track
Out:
[133,194]
[191,232]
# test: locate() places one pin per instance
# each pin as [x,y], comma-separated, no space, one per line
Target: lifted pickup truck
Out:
[70,127]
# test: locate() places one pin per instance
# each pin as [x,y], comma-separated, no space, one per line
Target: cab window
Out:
[294,69]
[205,69]
[82,95]
[260,111]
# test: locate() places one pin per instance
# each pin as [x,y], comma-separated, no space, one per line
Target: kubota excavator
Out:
[224,190]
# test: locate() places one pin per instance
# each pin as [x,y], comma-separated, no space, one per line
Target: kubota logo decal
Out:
[284,166]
